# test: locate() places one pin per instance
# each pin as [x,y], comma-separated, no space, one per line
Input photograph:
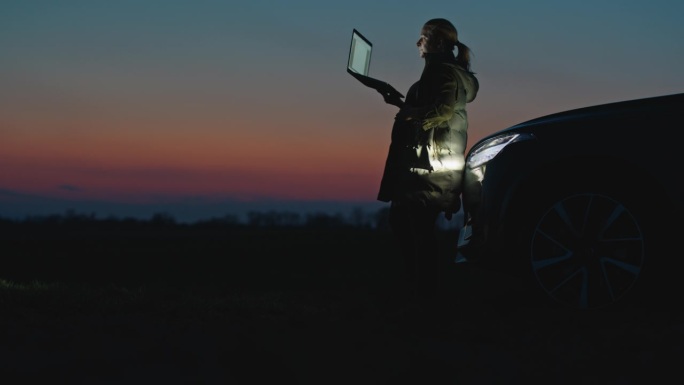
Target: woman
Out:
[424,167]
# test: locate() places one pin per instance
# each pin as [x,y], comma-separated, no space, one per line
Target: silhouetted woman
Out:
[424,166]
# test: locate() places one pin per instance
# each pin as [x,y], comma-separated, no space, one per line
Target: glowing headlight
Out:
[487,150]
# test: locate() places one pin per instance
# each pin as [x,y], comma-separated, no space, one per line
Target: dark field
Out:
[140,303]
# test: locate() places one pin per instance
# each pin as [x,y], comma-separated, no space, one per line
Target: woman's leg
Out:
[414,228]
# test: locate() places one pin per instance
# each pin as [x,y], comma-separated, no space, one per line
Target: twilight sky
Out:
[129,107]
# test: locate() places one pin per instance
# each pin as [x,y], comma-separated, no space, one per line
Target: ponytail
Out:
[463,57]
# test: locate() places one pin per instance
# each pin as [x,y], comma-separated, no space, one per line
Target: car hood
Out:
[612,110]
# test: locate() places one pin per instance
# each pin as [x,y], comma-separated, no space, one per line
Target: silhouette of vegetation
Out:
[266,249]
[269,219]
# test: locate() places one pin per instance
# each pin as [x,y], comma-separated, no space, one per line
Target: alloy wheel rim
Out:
[587,251]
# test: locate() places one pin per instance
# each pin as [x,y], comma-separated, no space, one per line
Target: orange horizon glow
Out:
[106,163]
[132,161]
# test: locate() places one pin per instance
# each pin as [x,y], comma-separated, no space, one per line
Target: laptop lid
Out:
[359,54]
[358,63]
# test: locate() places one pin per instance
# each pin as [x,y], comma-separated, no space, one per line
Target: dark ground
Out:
[124,305]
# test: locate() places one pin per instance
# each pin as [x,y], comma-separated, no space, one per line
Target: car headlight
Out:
[487,150]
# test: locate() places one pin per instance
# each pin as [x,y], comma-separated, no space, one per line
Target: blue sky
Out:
[199,107]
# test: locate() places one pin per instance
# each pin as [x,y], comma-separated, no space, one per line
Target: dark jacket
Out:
[426,155]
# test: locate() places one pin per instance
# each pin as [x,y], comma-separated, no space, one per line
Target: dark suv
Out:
[586,204]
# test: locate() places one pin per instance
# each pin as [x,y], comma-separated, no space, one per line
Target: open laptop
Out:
[358,64]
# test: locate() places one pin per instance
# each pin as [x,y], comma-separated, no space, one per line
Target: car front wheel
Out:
[586,250]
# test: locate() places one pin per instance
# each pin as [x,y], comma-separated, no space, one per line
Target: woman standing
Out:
[424,167]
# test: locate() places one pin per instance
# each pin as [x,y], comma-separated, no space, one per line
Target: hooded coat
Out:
[426,155]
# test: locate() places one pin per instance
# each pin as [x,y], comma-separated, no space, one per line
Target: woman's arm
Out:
[444,104]
[391,96]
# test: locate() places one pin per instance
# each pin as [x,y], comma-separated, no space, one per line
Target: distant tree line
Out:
[357,218]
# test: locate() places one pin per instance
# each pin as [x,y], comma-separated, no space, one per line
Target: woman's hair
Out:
[446,37]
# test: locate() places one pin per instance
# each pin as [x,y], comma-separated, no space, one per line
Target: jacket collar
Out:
[439,57]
